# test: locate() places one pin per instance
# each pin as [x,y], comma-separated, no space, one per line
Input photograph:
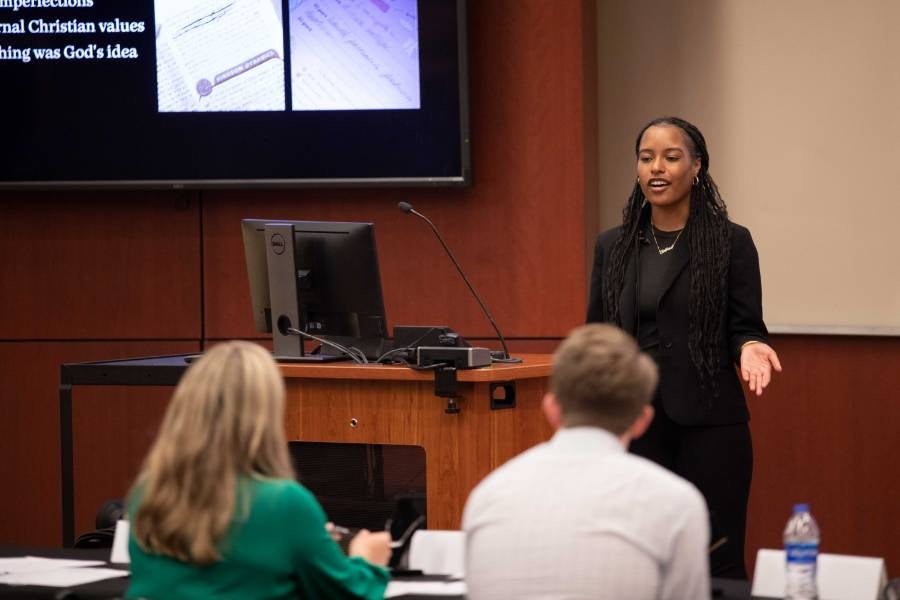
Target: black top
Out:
[655,270]
[685,400]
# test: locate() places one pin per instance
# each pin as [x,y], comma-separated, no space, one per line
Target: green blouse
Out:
[280,550]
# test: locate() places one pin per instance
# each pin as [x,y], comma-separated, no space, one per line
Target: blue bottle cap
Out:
[801,508]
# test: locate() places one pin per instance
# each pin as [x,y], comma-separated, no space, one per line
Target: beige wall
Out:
[799,102]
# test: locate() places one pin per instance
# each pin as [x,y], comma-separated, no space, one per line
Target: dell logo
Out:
[277,243]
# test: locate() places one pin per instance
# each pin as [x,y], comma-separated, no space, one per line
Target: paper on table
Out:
[119,552]
[62,577]
[425,588]
[30,564]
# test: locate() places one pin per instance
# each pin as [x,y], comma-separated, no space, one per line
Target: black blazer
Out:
[683,399]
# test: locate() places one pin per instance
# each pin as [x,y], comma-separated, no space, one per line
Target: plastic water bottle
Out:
[801,546]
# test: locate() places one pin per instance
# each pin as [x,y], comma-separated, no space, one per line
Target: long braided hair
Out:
[709,238]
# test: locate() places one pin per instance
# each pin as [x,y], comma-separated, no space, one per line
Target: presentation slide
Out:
[228,55]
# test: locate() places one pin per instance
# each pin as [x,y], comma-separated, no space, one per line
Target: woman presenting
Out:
[684,280]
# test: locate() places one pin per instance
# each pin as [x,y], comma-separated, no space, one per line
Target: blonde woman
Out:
[215,511]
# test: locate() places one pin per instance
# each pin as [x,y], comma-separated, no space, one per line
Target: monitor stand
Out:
[309,358]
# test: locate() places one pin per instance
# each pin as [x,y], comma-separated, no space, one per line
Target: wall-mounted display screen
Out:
[216,93]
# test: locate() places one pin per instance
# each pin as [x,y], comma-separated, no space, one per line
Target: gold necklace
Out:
[667,248]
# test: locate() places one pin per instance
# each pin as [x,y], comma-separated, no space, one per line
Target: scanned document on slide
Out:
[219,55]
[354,54]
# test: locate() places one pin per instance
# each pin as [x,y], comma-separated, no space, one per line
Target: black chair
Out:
[105,522]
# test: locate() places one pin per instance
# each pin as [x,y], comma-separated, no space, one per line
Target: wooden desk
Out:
[371,404]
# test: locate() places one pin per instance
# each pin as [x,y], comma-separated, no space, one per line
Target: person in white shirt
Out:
[578,516]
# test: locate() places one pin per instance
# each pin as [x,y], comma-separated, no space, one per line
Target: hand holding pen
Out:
[374,547]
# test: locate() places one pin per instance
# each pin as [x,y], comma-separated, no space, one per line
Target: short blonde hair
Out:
[601,378]
[225,421]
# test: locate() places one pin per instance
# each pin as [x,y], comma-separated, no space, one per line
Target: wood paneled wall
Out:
[826,432]
[94,275]
[84,276]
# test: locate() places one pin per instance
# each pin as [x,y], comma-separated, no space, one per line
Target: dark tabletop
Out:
[723,589]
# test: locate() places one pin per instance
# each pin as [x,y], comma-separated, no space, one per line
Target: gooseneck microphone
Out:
[408,208]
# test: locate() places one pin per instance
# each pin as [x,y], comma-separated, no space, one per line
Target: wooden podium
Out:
[499,416]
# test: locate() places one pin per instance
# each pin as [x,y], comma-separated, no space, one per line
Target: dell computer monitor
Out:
[318,277]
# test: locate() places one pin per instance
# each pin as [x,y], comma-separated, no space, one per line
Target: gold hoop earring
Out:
[696,180]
